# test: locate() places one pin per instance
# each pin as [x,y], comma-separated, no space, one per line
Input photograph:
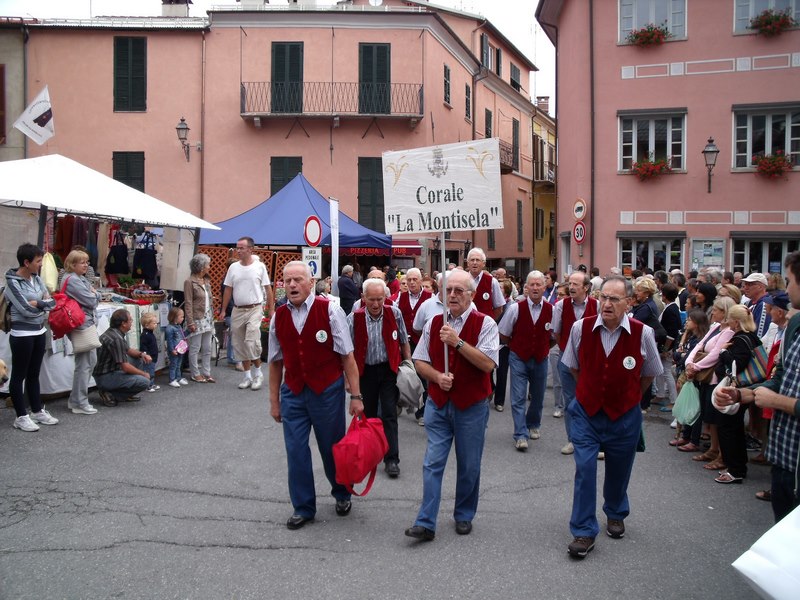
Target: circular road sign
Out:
[579,209]
[579,232]
[312,231]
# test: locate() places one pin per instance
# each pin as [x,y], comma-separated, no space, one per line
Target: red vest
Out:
[529,339]
[404,304]
[389,333]
[470,384]
[568,318]
[484,289]
[603,381]
[307,360]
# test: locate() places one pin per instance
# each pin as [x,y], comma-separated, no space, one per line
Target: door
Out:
[287,77]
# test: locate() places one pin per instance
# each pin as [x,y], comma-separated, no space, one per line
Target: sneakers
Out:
[601,456]
[183,381]
[568,449]
[25,424]
[674,424]
[421,422]
[246,383]
[44,418]
[521,445]
[535,434]
[498,407]
[257,383]
[753,444]
[615,529]
[84,410]
[154,388]
[581,546]
[558,413]
[174,383]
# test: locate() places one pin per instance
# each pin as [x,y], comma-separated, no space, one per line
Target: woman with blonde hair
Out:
[731,291]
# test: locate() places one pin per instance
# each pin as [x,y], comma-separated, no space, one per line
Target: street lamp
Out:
[182,129]
[710,153]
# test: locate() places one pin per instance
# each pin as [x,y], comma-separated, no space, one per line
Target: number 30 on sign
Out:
[579,232]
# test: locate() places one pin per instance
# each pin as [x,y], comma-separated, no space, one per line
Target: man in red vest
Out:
[380,342]
[525,327]
[458,407]
[310,339]
[565,313]
[488,296]
[613,358]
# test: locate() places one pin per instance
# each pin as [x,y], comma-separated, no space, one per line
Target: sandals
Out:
[678,442]
[760,460]
[198,379]
[765,495]
[715,465]
[728,478]
[707,456]
[210,379]
[690,447]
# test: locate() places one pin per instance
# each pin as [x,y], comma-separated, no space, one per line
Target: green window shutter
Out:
[370,193]
[282,170]
[468,101]
[287,77]
[130,74]
[128,168]
[515,143]
[447,84]
[485,49]
[498,67]
[487,123]
[374,78]
[139,74]
[122,89]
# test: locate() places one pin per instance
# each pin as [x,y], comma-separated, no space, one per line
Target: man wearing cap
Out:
[488,297]
[754,287]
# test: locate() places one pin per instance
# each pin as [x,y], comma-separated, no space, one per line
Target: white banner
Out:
[37,120]
[454,187]
[334,218]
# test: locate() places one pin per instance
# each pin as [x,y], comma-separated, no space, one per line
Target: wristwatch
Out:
[460,344]
[356,397]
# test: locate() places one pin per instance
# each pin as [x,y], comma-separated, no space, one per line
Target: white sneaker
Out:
[601,456]
[246,383]
[674,424]
[84,410]
[421,422]
[183,381]
[174,383]
[151,389]
[257,383]
[568,449]
[44,418]
[535,435]
[521,445]
[558,413]
[25,424]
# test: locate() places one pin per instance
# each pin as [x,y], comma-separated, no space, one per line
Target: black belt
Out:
[249,305]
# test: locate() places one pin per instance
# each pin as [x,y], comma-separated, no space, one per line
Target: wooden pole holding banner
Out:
[444,298]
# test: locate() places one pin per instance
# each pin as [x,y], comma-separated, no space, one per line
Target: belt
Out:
[248,305]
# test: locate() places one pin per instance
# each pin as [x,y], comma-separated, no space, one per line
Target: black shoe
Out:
[420,533]
[106,398]
[298,521]
[581,546]
[392,469]
[463,527]
[343,507]
[133,399]
[615,529]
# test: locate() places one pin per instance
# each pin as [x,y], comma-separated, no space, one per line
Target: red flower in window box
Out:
[772,166]
[649,35]
[650,169]
[771,22]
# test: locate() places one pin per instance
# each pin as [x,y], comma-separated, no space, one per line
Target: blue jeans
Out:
[150,369]
[618,439]
[299,413]
[123,385]
[553,359]
[468,428]
[568,387]
[522,373]
[175,362]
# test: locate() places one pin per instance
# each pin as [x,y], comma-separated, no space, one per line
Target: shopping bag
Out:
[359,453]
[117,261]
[144,258]
[687,405]
[67,314]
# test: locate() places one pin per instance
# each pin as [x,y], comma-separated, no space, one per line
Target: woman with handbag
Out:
[29,300]
[700,368]
[198,306]
[84,338]
[688,437]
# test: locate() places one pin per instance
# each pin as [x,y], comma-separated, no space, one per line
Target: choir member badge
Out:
[322,336]
[628,362]
[485,295]
[394,334]
[548,326]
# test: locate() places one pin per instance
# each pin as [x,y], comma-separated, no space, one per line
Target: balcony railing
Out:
[321,98]
[544,171]
[509,160]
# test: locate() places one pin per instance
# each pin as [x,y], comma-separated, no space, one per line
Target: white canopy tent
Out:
[65,186]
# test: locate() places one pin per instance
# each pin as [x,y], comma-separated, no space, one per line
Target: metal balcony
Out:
[265,99]
[509,160]
[544,171]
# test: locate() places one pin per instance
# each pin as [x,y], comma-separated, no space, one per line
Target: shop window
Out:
[370,193]
[763,256]
[657,254]
[128,168]
[635,14]
[130,74]
[282,170]
[761,132]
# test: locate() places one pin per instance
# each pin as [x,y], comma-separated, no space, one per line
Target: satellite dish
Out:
[376,2]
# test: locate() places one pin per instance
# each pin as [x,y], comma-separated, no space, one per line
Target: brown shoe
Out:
[106,398]
[615,529]
[581,546]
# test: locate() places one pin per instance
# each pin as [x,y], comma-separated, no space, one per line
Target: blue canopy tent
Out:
[279,221]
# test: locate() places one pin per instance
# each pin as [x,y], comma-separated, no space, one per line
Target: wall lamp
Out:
[182,129]
[710,153]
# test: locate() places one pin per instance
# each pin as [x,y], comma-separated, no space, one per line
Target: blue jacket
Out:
[149,344]
[19,292]
[174,334]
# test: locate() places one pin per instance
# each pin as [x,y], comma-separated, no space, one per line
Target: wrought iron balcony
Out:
[327,99]
[544,171]
[509,160]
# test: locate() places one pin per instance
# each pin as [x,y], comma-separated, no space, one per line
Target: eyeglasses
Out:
[455,290]
[612,299]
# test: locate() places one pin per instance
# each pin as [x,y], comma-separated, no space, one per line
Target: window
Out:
[130,74]
[552,245]
[468,100]
[747,9]
[515,144]
[2,104]
[658,254]
[287,77]
[282,170]
[128,168]
[374,95]
[498,63]
[763,256]
[370,193]
[515,77]
[520,237]
[490,240]
[635,14]
[763,131]
[487,122]
[447,84]
[652,137]
[539,223]
[486,52]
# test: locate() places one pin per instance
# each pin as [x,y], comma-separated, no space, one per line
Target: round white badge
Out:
[485,295]
[548,326]
[628,362]
[322,336]
[394,334]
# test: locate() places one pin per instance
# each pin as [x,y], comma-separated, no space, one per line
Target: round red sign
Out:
[312,231]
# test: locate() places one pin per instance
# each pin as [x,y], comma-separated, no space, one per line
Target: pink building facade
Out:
[270,93]
[619,104]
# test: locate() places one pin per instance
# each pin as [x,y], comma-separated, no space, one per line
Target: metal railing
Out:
[544,170]
[266,98]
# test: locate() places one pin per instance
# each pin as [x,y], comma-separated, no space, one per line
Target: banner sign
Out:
[453,187]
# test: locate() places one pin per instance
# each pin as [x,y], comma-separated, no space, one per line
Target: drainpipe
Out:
[202,126]
[482,74]
[25,38]
[593,211]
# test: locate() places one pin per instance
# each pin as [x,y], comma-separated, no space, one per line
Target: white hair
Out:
[374,281]
[347,269]
[479,252]
[414,271]
[535,275]
[299,263]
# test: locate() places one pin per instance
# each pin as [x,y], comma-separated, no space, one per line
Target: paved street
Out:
[184,495]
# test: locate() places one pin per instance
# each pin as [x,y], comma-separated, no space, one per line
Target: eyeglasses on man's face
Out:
[612,299]
[455,290]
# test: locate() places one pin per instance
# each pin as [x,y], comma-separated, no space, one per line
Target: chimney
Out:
[175,8]
[543,103]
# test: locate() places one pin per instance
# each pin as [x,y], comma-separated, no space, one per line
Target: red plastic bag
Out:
[359,453]
[67,314]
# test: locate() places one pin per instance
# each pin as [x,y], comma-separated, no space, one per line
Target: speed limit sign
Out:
[579,232]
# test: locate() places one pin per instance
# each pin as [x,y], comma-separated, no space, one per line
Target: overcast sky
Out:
[515,18]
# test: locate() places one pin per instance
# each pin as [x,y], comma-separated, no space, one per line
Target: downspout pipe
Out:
[203,126]
[593,154]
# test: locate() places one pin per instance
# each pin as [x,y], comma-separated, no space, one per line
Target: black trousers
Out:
[732,443]
[27,354]
[379,386]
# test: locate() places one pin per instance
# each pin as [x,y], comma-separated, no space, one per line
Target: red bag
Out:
[359,453]
[67,314]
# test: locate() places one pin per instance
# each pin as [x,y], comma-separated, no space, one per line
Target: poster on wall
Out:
[707,253]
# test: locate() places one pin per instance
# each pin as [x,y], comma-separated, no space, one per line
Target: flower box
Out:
[651,169]
[772,166]
[649,35]
[771,23]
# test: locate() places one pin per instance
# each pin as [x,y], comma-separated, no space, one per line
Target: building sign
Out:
[453,187]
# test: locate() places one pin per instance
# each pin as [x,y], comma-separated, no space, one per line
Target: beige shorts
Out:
[246,333]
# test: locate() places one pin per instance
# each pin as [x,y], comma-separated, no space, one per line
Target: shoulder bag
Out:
[66,315]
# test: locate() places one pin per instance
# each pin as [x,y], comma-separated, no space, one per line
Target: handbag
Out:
[687,405]
[728,381]
[117,261]
[67,314]
[84,340]
[181,347]
[703,375]
[756,369]
[359,453]
[144,258]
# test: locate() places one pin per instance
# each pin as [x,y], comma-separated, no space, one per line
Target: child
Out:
[148,343]
[174,334]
